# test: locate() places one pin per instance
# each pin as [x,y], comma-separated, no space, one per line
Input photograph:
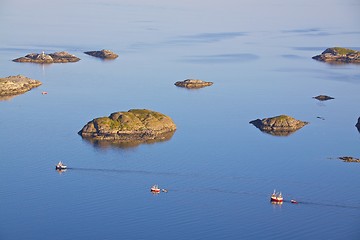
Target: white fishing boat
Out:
[60,166]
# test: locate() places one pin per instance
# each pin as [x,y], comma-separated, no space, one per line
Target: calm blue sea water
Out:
[219,169]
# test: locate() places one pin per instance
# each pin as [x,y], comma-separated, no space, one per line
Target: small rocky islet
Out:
[323,97]
[135,125]
[14,85]
[349,159]
[358,124]
[339,55]
[282,125]
[193,83]
[104,54]
[57,57]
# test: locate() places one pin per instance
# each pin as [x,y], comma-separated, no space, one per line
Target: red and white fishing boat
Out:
[276,197]
[60,166]
[155,189]
[294,201]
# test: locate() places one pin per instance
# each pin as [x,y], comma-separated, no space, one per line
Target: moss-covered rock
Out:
[14,85]
[104,54]
[279,126]
[134,125]
[193,83]
[57,57]
[339,55]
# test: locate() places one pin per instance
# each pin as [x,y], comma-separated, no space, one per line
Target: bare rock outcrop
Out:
[136,125]
[279,126]
[14,85]
[349,159]
[104,54]
[57,57]
[193,83]
[339,55]
[323,97]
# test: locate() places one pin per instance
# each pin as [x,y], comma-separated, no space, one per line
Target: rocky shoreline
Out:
[14,85]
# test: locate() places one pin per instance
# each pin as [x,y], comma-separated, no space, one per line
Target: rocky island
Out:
[193,83]
[350,159]
[104,54]
[136,125]
[14,85]
[339,55]
[57,57]
[358,124]
[279,126]
[323,98]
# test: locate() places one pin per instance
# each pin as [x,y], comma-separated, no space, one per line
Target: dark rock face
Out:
[104,144]
[279,126]
[193,83]
[339,55]
[349,159]
[358,124]
[14,85]
[104,54]
[136,125]
[323,98]
[58,57]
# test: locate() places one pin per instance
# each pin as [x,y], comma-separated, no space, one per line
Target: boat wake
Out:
[124,171]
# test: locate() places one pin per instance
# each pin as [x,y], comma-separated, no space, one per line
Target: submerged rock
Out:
[193,83]
[136,125]
[323,98]
[279,126]
[57,57]
[105,54]
[349,159]
[14,85]
[339,55]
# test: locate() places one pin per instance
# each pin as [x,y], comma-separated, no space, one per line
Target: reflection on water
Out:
[8,98]
[221,58]
[104,144]
[206,37]
[60,171]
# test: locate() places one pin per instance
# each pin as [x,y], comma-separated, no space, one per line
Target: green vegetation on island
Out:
[133,125]
[339,55]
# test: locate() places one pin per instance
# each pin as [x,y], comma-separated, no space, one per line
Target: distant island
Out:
[136,125]
[282,125]
[14,85]
[104,54]
[193,83]
[358,124]
[339,55]
[57,57]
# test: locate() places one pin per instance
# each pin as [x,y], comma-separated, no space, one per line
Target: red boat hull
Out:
[276,200]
